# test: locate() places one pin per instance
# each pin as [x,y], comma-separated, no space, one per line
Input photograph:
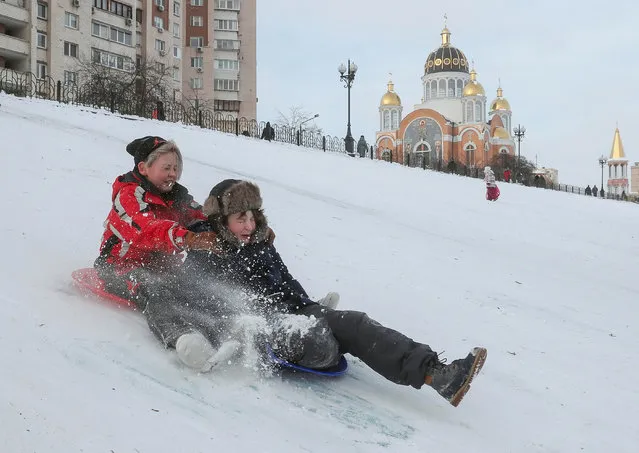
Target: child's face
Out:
[162,173]
[242,225]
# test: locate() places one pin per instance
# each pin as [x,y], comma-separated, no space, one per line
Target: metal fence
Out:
[27,84]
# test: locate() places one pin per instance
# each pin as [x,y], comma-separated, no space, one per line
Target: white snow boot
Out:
[195,351]
[330,300]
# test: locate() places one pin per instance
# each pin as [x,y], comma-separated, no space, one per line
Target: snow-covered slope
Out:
[545,280]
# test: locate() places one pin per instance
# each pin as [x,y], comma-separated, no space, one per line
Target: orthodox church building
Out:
[454,126]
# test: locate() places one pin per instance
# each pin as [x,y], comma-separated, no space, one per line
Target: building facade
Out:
[453,125]
[204,50]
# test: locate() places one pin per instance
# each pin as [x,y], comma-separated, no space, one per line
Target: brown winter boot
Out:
[453,381]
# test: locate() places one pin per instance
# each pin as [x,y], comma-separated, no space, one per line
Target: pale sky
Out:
[568,70]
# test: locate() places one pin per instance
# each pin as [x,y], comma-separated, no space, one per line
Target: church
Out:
[454,126]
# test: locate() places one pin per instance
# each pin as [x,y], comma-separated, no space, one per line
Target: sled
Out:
[88,281]
[335,371]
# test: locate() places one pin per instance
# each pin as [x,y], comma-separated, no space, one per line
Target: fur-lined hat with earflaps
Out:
[230,197]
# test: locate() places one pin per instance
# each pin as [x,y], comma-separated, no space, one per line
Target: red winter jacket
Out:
[146,228]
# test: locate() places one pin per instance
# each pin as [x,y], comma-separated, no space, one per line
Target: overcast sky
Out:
[569,70]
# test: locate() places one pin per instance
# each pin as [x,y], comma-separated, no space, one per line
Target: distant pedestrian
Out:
[595,191]
[160,111]
[492,191]
[507,174]
[588,190]
[268,133]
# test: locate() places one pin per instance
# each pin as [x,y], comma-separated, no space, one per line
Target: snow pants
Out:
[171,305]
[388,352]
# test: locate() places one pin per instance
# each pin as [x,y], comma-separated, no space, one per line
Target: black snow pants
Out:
[388,352]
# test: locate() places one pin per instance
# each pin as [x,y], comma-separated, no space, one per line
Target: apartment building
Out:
[207,48]
[220,55]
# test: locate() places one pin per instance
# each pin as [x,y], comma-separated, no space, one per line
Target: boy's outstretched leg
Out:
[453,381]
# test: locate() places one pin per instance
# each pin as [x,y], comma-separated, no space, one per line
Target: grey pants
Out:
[388,352]
[172,306]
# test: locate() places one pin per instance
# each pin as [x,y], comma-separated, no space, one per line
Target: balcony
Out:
[13,13]
[11,47]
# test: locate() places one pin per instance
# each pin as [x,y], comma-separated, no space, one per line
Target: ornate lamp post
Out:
[602,162]
[347,75]
[520,132]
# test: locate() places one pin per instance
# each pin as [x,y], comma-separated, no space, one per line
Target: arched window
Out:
[427,92]
[451,88]
[470,155]
[504,119]
[433,89]
[469,111]
[460,87]
[395,119]
[422,155]
[387,123]
[442,88]
[478,111]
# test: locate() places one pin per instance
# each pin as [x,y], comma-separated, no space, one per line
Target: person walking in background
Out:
[588,190]
[595,191]
[268,133]
[507,174]
[492,191]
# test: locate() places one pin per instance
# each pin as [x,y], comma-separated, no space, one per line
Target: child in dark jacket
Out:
[248,261]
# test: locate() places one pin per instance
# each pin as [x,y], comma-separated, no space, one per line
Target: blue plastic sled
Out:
[335,371]
[88,281]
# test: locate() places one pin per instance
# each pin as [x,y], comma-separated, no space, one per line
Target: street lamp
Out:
[347,75]
[520,132]
[602,162]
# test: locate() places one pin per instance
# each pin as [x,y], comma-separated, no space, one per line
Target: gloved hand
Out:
[201,241]
[270,236]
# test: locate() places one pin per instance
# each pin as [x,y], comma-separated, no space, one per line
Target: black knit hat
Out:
[140,148]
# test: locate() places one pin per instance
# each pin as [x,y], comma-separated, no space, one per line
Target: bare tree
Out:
[123,85]
[297,115]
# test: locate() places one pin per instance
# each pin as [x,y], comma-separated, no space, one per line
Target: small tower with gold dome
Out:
[473,100]
[390,109]
[617,167]
[500,106]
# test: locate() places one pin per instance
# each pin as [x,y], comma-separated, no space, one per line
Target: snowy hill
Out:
[545,280]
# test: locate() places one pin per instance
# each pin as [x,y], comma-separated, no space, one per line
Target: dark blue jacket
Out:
[256,268]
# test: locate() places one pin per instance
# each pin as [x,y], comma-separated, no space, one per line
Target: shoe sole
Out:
[480,359]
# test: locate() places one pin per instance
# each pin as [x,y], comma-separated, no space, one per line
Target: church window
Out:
[478,111]
[460,87]
[469,111]
[442,89]
[451,88]
[395,119]
[470,155]
[387,124]
[433,89]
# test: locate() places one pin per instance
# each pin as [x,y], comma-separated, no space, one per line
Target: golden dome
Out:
[500,103]
[390,97]
[500,132]
[473,87]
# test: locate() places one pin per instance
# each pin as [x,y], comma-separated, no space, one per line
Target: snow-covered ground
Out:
[545,280]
